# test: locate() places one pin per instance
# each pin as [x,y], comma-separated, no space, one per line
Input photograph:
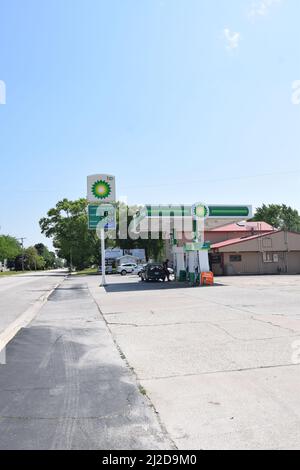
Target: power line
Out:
[215,180]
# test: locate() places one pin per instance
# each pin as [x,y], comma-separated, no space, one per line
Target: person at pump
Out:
[166,269]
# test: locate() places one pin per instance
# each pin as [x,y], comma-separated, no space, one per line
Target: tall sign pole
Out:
[103,283]
[101,190]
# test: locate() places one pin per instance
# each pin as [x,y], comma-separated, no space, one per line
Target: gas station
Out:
[183,227]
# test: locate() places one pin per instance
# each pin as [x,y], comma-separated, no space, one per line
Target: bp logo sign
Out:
[200,211]
[101,189]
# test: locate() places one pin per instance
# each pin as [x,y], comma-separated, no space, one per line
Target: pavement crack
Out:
[225,331]
[215,372]
[247,340]
[273,324]
[231,336]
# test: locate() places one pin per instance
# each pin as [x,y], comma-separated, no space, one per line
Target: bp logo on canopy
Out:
[200,211]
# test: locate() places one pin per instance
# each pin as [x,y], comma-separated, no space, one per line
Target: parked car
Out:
[108,269]
[126,268]
[138,270]
[153,272]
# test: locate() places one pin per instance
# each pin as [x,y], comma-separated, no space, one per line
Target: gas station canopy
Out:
[217,215]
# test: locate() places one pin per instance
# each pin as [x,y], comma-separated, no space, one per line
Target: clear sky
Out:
[183,100]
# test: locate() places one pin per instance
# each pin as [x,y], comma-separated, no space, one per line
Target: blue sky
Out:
[183,100]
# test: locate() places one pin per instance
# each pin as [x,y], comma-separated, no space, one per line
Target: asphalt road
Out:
[65,384]
[19,293]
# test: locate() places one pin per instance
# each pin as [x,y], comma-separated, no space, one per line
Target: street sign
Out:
[101,189]
[98,213]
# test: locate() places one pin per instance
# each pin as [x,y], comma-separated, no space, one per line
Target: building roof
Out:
[244,227]
[235,241]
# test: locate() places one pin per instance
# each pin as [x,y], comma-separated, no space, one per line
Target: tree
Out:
[9,248]
[67,224]
[279,216]
[32,260]
[48,256]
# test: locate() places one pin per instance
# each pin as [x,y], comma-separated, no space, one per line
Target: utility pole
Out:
[22,243]
[71,260]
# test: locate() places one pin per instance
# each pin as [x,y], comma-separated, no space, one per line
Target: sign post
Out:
[101,190]
[103,283]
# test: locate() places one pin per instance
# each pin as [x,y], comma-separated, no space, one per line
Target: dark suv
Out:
[153,272]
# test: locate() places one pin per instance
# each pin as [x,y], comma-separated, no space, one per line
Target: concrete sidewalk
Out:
[216,362]
[65,385]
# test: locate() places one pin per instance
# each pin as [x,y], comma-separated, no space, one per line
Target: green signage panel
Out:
[94,217]
[229,211]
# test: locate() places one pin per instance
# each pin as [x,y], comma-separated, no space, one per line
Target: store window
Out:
[215,259]
[267,242]
[235,258]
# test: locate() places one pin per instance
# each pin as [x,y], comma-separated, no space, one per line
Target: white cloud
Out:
[262,7]
[232,39]
[296,92]
[2,92]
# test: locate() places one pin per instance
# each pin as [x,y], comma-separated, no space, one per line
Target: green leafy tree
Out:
[48,256]
[32,260]
[67,224]
[279,216]
[9,248]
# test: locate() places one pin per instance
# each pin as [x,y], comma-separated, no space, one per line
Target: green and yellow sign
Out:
[99,213]
[101,189]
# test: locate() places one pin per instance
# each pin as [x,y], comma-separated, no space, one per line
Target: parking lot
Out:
[219,364]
